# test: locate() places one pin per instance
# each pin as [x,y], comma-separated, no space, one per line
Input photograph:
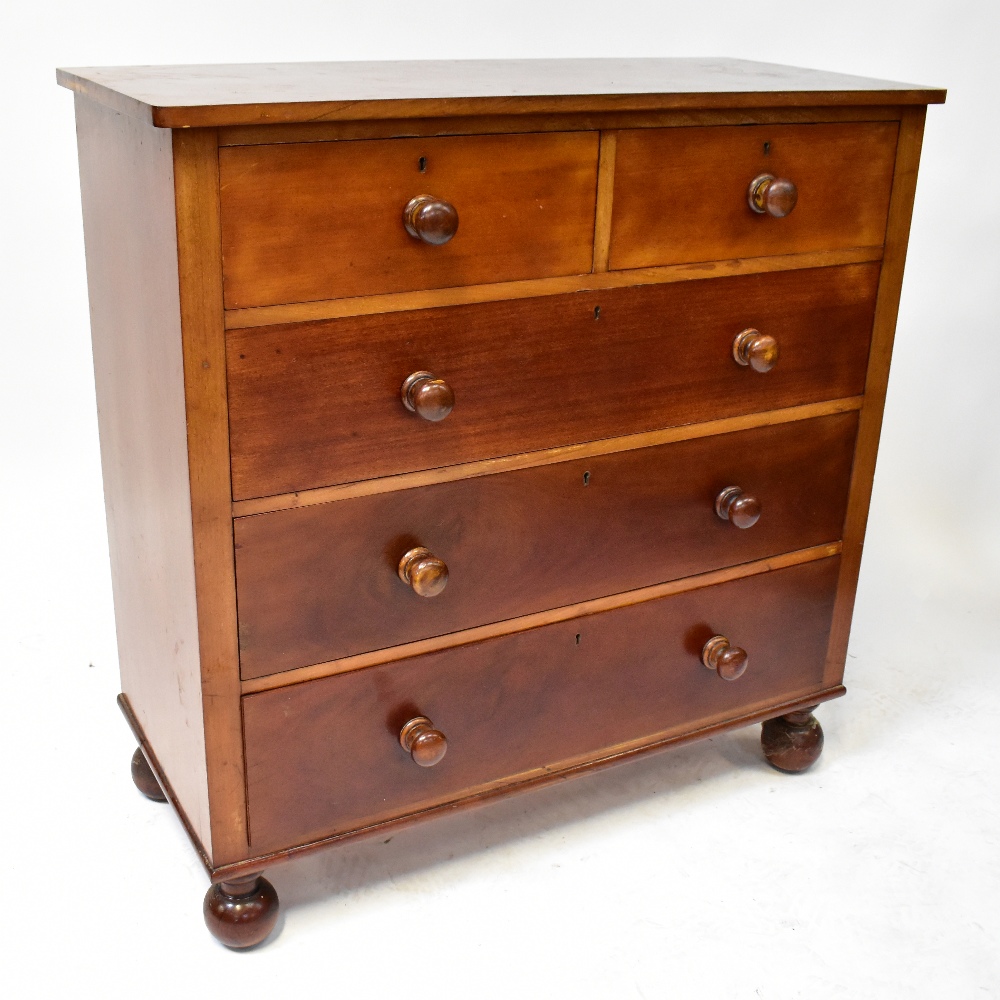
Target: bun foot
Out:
[792,743]
[241,913]
[145,780]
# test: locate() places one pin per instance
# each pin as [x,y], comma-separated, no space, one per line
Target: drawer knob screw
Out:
[430,219]
[426,396]
[770,195]
[737,507]
[425,573]
[729,662]
[425,744]
[755,350]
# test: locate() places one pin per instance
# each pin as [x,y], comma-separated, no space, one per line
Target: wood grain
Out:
[311,221]
[870,425]
[533,374]
[612,601]
[126,178]
[681,194]
[320,583]
[304,312]
[605,192]
[324,757]
[196,186]
[199,96]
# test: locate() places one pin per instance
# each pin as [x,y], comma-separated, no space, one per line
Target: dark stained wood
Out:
[325,220]
[741,509]
[775,196]
[324,757]
[425,744]
[428,397]
[681,194]
[241,912]
[423,572]
[126,178]
[317,583]
[144,779]
[430,219]
[756,350]
[728,661]
[792,742]
[533,374]
[187,96]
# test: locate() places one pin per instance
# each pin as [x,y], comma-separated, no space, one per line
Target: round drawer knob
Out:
[425,744]
[770,195]
[430,219]
[737,507]
[755,350]
[428,397]
[729,662]
[425,573]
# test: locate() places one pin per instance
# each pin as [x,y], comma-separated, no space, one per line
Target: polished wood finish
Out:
[324,757]
[425,744]
[428,397]
[144,779]
[774,196]
[713,166]
[728,661]
[792,742]
[193,96]
[423,572]
[318,583]
[322,220]
[430,219]
[671,345]
[756,350]
[241,912]
[741,509]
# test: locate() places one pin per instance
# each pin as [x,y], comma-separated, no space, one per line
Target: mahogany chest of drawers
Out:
[526,411]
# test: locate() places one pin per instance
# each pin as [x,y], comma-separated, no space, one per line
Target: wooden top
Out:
[192,96]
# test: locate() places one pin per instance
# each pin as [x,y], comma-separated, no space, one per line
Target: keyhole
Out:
[423,164]
[578,638]
[586,479]
[767,148]
[597,312]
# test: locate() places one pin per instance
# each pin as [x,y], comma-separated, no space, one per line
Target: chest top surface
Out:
[220,95]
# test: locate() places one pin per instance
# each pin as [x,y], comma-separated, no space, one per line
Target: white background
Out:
[876,874]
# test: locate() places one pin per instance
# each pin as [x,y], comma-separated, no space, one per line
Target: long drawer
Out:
[322,220]
[325,757]
[318,404]
[319,583]
[680,194]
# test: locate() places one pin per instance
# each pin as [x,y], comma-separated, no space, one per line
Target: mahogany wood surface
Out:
[144,779]
[305,221]
[681,194]
[793,742]
[321,582]
[187,96]
[241,912]
[126,178]
[325,757]
[534,373]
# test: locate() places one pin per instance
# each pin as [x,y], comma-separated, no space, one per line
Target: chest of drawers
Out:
[467,426]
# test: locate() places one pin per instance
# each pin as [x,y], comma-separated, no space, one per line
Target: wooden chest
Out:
[526,411]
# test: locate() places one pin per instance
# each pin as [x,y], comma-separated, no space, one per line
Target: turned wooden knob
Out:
[430,219]
[425,744]
[425,573]
[426,396]
[737,507]
[770,195]
[756,350]
[729,662]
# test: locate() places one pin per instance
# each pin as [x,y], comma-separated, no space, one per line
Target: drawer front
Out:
[323,220]
[319,583]
[317,404]
[680,194]
[324,757]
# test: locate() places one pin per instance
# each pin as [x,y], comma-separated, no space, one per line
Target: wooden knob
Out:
[426,574]
[430,219]
[729,662]
[426,396]
[756,350]
[425,744]
[737,507]
[770,195]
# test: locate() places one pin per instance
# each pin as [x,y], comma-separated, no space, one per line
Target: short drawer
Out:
[319,583]
[318,404]
[324,757]
[680,194]
[323,220]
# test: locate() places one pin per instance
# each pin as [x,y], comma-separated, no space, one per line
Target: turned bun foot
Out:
[241,913]
[145,780]
[793,742]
